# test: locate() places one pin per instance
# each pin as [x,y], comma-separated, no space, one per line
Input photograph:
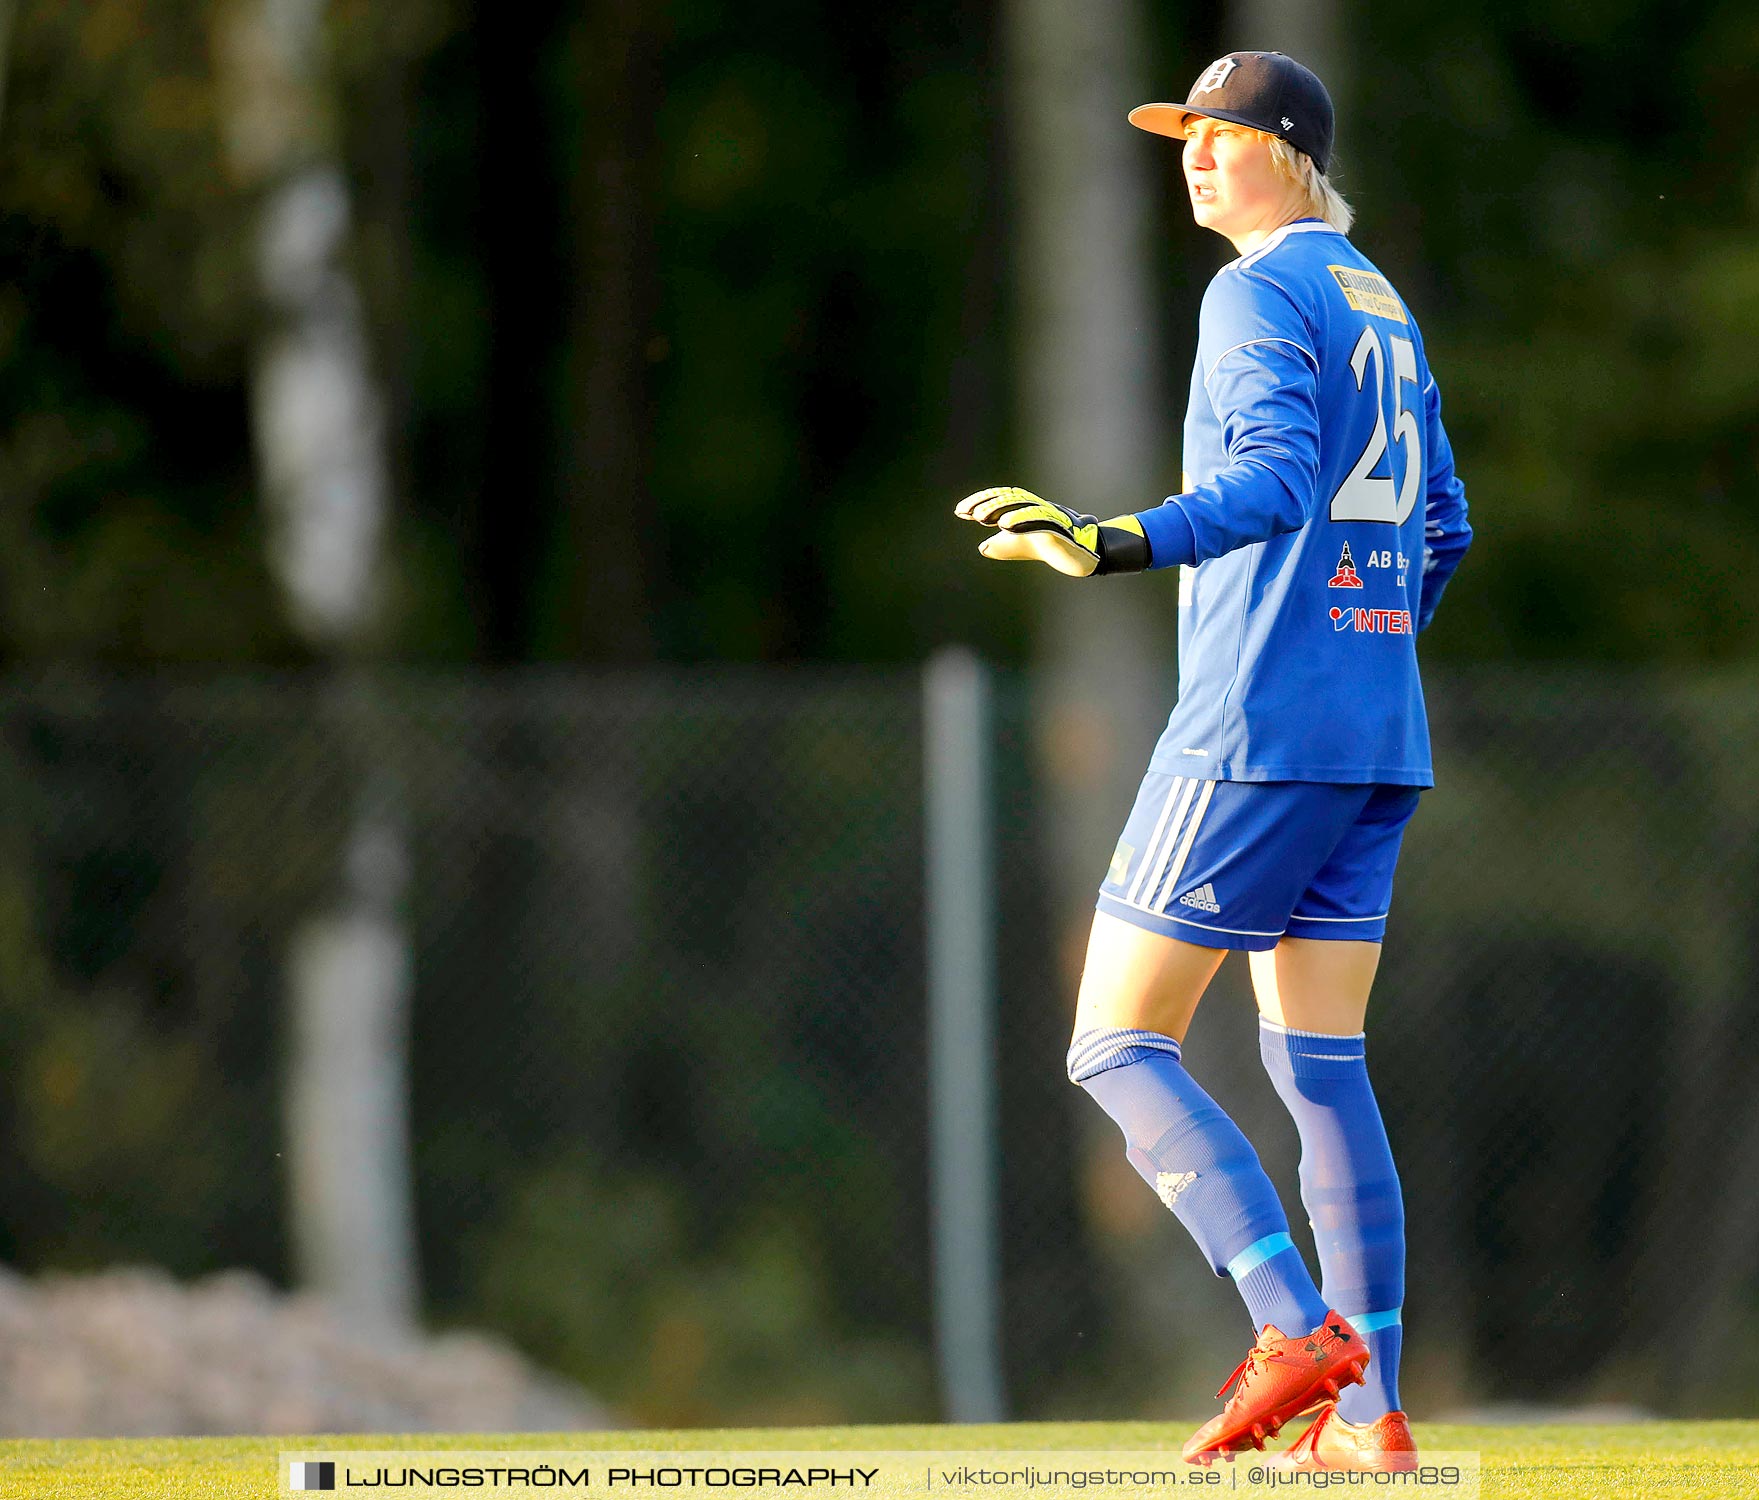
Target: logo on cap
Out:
[1215,77]
[1288,124]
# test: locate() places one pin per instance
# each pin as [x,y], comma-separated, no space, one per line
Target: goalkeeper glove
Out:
[1028,527]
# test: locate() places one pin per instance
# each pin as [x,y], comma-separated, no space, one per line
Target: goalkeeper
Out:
[1319,523]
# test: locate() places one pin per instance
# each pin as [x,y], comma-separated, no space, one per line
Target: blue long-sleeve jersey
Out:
[1320,522]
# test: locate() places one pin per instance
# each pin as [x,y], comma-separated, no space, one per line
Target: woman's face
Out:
[1235,189]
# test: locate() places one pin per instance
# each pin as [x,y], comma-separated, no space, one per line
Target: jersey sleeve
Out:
[1446,532]
[1261,376]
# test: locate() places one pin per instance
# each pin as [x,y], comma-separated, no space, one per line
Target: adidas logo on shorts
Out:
[1203,898]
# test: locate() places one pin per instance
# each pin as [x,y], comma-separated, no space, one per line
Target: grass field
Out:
[1705,1460]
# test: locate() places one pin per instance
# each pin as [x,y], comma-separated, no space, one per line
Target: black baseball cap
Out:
[1267,91]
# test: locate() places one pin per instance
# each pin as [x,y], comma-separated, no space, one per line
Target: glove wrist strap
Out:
[1123,546]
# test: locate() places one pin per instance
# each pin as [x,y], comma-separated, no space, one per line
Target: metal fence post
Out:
[959,854]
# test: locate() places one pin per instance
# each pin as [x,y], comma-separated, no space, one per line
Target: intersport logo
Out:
[1371,621]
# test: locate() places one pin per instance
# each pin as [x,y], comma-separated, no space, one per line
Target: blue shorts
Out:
[1239,864]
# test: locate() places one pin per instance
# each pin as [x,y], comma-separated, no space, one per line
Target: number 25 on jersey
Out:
[1364,495]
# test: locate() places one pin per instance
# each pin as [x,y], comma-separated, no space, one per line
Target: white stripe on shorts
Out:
[1148,849]
[1168,844]
[1185,848]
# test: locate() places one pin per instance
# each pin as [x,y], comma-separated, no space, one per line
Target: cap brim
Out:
[1169,119]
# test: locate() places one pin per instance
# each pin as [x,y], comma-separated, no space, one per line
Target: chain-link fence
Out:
[668,1101]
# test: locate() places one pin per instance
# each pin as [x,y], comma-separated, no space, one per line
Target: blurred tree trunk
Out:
[1091,415]
[593,593]
[565,534]
[318,430]
[521,210]
[7,7]
[1310,31]
[1090,408]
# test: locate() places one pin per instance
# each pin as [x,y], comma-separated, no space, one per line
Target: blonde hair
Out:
[1323,200]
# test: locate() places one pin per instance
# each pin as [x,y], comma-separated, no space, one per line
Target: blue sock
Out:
[1352,1195]
[1203,1168]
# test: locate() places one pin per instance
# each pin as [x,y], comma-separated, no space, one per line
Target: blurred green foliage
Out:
[130,532]
[802,296]
[750,1330]
[1550,186]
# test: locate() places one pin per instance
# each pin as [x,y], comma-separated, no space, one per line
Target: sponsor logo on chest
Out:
[1371,621]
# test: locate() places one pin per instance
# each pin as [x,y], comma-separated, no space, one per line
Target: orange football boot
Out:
[1278,1380]
[1383,1446]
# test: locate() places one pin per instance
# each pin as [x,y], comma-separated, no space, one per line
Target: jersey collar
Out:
[1299,226]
